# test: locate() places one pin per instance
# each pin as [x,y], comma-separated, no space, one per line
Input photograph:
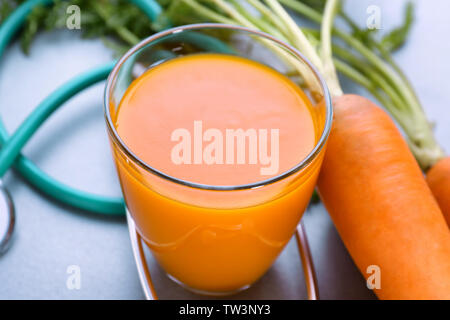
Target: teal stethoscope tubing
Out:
[12,145]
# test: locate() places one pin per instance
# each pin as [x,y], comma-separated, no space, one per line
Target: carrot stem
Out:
[414,122]
[208,13]
[125,34]
[327,53]
[298,38]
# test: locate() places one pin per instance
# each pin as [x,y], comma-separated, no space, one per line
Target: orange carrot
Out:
[381,205]
[438,178]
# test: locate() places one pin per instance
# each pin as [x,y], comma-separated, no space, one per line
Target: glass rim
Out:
[297,54]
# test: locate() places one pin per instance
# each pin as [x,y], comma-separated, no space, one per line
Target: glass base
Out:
[180,283]
[207,293]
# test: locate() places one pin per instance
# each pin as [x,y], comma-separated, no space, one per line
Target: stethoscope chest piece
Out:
[7,218]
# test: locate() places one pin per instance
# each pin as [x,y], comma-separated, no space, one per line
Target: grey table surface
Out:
[72,146]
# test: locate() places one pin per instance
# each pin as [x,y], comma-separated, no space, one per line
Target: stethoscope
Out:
[11,146]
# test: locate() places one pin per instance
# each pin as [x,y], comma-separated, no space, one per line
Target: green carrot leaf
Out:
[397,37]
[6,7]
[35,21]
[118,20]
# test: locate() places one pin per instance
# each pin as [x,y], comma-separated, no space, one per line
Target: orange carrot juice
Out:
[204,127]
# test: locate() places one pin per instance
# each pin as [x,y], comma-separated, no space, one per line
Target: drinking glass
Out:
[216,239]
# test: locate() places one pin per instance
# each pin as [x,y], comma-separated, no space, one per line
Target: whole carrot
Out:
[381,76]
[381,205]
[438,178]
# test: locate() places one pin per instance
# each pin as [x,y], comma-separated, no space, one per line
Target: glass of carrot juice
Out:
[218,133]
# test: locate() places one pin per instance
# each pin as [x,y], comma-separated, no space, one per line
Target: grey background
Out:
[72,146]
